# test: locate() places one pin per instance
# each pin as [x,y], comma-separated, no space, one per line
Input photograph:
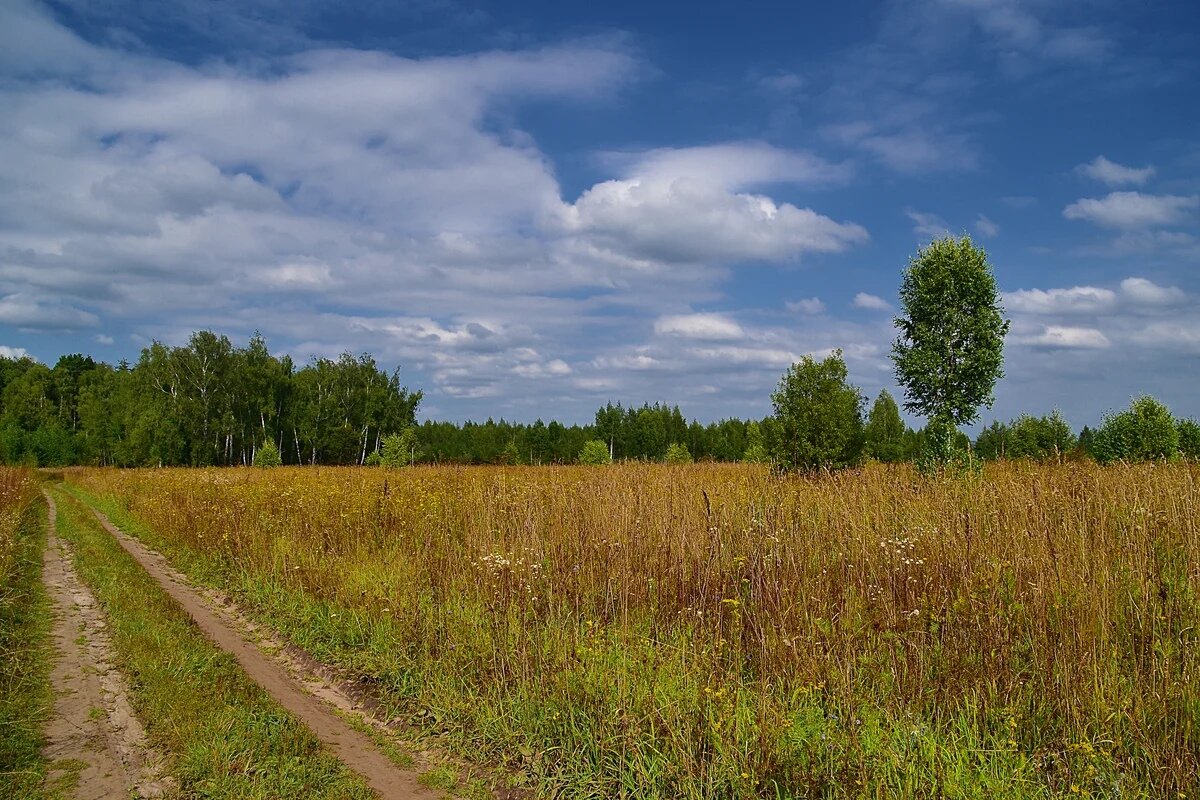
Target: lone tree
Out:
[950,350]
[819,415]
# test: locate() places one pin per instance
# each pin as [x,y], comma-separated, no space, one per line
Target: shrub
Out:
[594,453]
[267,455]
[1146,431]
[820,416]
[1189,439]
[400,449]
[678,454]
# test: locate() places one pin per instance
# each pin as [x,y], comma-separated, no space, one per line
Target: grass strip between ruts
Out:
[223,735]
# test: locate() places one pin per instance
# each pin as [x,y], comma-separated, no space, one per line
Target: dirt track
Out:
[93,733]
[354,748]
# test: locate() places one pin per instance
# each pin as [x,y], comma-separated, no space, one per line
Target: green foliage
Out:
[819,415]
[678,454]
[511,454]
[400,449]
[594,453]
[756,446]
[1145,431]
[1038,438]
[1189,439]
[267,455]
[946,450]
[885,430]
[950,350]
[373,459]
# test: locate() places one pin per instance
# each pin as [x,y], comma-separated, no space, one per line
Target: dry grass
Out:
[24,630]
[713,631]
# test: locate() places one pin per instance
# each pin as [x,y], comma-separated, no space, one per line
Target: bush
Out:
[267,455]
[1146,431]
[820,416]
[678,454]
[400,449]
[594,453]
[1189,439]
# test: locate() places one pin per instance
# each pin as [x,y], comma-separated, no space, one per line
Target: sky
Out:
[534,208]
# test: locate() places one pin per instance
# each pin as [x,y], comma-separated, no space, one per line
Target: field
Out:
[24,622]
[715,631]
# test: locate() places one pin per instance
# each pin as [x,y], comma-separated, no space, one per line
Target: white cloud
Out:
[103,338]
[1076,300]
[699,326]
[807,305]
[1114,174]
[694,219]
[985,227]
[14,353]
[871,302]
[1145,292]
[1062,336]
[1133,210]
[762,356]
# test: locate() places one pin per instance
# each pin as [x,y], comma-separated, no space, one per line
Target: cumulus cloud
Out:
[14,352]
[346,199]
[693,220]
[1114,174]
[1147,293]
[871,302]
[1069,337]
[699,326]
[1075,300]
[1134,210]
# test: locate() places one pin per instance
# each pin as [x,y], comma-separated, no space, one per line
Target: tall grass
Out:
[24,630]
[713,631]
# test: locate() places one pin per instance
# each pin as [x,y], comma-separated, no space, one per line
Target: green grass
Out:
[25,697]
[223,735]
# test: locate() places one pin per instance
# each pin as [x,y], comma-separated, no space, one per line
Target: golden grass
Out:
[714,631]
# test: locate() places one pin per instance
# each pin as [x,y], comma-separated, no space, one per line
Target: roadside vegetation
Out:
[223,736]
[24,631]
[723,631]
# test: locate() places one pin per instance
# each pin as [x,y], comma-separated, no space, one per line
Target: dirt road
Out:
[96,745]
[354,748]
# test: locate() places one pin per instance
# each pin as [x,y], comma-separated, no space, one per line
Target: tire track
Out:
[354,748]
[93,739]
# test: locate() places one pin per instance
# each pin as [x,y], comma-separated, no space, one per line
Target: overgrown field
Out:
[24,626]
[713,631]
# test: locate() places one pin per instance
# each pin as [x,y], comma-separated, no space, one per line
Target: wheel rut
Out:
[96,746]
[354,748]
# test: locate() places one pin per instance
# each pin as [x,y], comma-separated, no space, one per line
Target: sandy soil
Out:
[305,694]
[93,734]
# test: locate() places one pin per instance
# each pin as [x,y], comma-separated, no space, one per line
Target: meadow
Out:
[24,625]
[714,630]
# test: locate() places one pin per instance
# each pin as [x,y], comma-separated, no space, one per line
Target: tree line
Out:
[211,403]
[204,403]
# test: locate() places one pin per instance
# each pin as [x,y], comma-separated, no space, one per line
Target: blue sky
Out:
[538,207]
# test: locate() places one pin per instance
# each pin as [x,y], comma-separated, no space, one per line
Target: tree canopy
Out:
[819,416]
[950,350]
